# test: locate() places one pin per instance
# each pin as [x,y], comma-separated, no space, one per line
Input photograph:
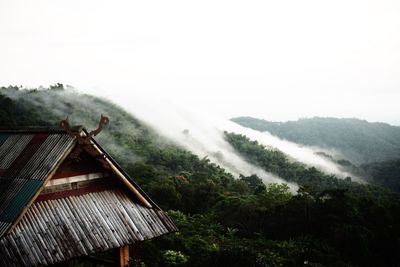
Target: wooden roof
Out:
[57,230]
[36,233]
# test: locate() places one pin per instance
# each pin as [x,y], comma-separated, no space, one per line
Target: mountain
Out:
[225,221]
[352,139]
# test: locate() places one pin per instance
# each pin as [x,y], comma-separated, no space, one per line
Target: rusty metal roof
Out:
[26,160]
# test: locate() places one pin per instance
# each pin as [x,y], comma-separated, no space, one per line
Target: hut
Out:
[63,197]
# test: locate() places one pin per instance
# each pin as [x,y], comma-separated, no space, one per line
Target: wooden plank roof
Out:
[54,230]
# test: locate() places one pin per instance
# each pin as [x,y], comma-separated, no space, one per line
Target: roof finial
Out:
[65,125]
[103,122]
[85,139]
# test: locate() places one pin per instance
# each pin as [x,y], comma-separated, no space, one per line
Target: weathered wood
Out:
[25,244]
[44,236]
[70,230]
[11,253]
[152,224]
[77,225]
[61,226]
[99,214]
[40,244]
[84,224]
[124,256]
[17,255]
[56,251]
[52,244]
[111,219]
[77,178]
[124,222]
[56,230]
[65,241]
[20,248]
[122,177]
[30,235]
[133,213]
[93,224]
[146,224]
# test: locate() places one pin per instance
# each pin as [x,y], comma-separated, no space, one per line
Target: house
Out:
[62,197]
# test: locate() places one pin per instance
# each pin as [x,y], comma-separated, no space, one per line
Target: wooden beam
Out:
[124,256]
[122,178]
[77,178]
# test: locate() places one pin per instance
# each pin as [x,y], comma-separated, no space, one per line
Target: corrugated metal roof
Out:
[26,160]
[3,137]
[56,230]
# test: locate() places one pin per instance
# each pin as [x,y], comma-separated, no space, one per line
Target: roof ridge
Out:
[38,129]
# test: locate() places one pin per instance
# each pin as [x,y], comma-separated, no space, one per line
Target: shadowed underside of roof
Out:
[57,230]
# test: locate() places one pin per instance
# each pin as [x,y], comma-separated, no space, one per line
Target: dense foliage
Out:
[225,221]
[386,173]
[358,141]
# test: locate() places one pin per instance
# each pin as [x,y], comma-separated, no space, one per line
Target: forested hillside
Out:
[225,221]
[386,173]
[356,140]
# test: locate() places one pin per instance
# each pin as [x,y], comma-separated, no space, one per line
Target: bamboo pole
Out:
[123,179]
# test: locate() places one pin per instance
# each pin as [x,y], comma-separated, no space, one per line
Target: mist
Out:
[301,153]
[199,134]
[191,125]
[200,129]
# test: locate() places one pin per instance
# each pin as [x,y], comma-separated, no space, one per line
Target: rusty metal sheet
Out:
[26,160]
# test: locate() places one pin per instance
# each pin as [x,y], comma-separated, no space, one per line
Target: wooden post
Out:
[124,256]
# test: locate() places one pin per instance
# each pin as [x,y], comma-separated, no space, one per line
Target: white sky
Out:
[278,60]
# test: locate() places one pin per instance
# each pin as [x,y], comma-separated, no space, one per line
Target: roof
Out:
[44,232]
[26,160]
[76,230]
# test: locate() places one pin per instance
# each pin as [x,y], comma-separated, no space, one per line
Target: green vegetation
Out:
[225,221]
[386,173]
[357,140]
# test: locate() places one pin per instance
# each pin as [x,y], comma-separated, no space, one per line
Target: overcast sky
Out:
[279,60]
